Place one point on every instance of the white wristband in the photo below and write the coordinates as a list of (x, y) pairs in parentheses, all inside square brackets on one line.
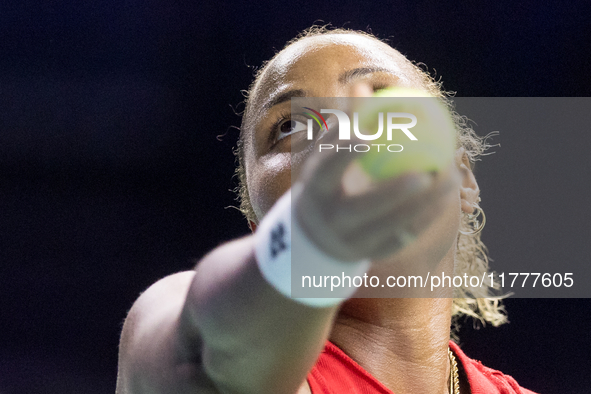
[(275, 239)]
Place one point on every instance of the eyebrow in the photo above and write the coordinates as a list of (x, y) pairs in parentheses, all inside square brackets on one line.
[(359, 72), (344, 78), (283, 97)]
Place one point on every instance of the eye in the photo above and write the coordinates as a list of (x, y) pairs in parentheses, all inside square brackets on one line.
[(380, 86), (288, 127)]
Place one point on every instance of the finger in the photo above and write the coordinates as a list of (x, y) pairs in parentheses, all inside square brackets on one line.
[(330, 165), (413, 216), (382, 196), (397, 230), (399, 198), (415, 229)]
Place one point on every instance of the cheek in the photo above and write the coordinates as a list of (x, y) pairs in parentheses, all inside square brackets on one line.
[(268, 180), (450, 221), (445, 228)]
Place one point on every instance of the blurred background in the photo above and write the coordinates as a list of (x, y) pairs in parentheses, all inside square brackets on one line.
[(117, 124)]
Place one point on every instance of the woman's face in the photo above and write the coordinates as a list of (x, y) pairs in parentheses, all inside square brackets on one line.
[(319, 66)]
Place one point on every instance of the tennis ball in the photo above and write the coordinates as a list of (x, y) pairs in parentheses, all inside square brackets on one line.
[(435, 144)]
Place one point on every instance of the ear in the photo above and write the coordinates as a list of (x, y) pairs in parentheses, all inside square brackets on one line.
[(252, 225), (469, 190)]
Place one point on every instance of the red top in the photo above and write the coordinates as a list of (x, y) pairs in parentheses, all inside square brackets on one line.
[(337, 373)]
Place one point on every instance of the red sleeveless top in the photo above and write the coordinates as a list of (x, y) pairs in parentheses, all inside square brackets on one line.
[(337, 373)]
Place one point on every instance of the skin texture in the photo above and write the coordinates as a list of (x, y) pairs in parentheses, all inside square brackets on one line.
[(225, 329), (414, 331), (310, 65)]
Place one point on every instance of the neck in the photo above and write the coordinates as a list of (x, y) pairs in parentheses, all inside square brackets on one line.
[(402, 342)]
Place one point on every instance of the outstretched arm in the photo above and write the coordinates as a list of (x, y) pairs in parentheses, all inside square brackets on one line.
[(220, 329), (225, 329)]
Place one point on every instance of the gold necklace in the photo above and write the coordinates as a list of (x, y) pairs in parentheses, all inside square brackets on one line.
[(454, 379)]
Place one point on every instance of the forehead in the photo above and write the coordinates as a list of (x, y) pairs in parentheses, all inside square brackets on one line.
[(327, 56), (313, 62), (317, 66)]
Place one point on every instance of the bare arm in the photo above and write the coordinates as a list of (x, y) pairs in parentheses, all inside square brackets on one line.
[(220, 329), (224, 329), (256, 339)]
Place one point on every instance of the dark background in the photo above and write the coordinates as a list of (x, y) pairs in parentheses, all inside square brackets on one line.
[(111, 175)]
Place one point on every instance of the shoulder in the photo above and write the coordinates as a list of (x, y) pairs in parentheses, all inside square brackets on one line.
[(149, 350), (160, 304), (486, 380)]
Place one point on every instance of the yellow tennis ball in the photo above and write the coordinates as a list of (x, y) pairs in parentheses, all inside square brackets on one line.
[(435, 144)]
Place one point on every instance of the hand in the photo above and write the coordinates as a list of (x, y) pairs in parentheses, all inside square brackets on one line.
[(351, 217)]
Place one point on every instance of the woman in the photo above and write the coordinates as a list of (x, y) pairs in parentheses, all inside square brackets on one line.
[(226, 327)]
